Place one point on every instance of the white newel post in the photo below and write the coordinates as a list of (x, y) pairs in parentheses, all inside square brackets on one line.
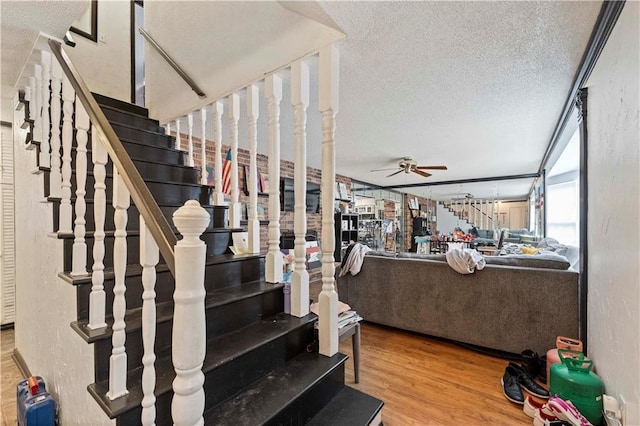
[(55, 177), (79, 261), (328, 299), (189, 322), (190, 140), (68, 96), (149, 257), (118, 360), (218, 195), (203, 147), (178, 141), (45, 151), (300, 275), (273, 261), (252, 116), (97, 298), (37, 102), (234, 205)]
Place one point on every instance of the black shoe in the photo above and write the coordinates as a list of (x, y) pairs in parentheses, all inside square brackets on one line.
[(511, 386), (542, 375), (530, 362), (528, 383)]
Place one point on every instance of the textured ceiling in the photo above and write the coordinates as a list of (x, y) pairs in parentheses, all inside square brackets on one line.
[(21, 23)]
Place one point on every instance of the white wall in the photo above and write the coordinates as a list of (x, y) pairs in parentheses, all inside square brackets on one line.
[(447, 221), (46, 305), (613, 223), (106, 65), (7, 230)]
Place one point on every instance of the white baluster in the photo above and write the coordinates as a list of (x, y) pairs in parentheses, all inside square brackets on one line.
[(45, 151), (167, 128), (300, 275), (190, 141), (273, 261), (37, 102), (55, 176), (252, 115), (68, 96), (97, 298), (218, 195), (203, 148), (189, 332), (234, 206), (178, 141), (149, 257), (79, 261), (328, 298), (118, 360)]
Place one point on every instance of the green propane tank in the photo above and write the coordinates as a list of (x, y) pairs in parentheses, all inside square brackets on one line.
[(573, 380)]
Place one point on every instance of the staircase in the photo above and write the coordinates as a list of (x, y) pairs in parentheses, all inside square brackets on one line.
[(257, 367), (470, 214)]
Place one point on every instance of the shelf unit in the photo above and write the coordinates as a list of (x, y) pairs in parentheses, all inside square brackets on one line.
[(346, 230)]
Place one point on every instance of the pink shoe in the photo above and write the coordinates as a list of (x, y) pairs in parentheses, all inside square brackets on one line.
[(565, 410), (543, 419), (531, 407)]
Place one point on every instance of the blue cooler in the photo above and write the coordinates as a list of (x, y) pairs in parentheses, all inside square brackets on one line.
[(35, 405)]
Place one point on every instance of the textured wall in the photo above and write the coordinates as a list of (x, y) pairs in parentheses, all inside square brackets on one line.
[(46, 305), (614, 195)]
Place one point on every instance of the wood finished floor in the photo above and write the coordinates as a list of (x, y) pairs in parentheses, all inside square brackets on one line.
[(422, 381)]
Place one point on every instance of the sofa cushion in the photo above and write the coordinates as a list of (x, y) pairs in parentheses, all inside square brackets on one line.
[(381, 253), (546, 260), (440, 257)]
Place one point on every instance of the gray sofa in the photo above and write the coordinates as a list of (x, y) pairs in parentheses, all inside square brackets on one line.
[(508, 308)]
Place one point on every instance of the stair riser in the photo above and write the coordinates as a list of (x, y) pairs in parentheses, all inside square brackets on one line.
[(220, 320), (225, 275), (217, 243), (225, 381), (147, 153), (125, 106), (143, 137), (133, 120)]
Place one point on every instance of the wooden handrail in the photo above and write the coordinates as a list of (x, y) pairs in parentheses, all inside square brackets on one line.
[(147, 206)]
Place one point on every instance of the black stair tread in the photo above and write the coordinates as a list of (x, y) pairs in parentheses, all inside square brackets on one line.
[(265, 398), (164, 310), (349, 407), (219, 351), (134, 270), (132, 114), (139, 129), (121, 105), (161, 204), (89, 234), (110, 175)]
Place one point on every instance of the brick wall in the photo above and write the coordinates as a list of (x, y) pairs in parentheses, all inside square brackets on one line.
[(426, 205)]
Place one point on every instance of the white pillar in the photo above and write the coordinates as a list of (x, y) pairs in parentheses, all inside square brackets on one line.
[(234, 205), (218, 195), (328, 299), (300, 275), (97, 298), (79, 260), (273, 261), (190, 140), (203, 148), (149, 257), (45, 151), (55, 176), (68, 96), (252, 116), (189, 321), (178, 142), (118, 360)]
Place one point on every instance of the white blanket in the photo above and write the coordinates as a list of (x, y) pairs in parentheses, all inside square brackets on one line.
[(353, 264), (465, 261)]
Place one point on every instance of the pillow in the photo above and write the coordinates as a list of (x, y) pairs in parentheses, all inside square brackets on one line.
[(439, 257), (381, 253), (545, 260)]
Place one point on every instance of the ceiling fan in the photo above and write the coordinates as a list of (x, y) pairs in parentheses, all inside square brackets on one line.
[(408, 165)]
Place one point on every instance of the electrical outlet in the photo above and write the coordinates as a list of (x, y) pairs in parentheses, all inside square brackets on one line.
[(623, 410)]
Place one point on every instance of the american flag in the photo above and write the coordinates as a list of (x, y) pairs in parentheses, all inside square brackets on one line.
[(226, 174)]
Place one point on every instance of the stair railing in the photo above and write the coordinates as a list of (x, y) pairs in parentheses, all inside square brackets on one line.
[(62, 80)]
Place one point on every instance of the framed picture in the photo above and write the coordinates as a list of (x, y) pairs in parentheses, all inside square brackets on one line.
[(264, 182), (87, 24), (210, 176)]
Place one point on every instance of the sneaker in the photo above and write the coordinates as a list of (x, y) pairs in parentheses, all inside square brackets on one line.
[(527, 382), (531, 407), (543, 419), (565, 410), (511, 386)]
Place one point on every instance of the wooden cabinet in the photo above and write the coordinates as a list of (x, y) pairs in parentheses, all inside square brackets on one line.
[(346, 231)]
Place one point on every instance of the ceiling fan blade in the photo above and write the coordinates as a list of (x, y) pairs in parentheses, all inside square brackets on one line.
[(393, 174), (386, 169), (431, 167), (421, 173)]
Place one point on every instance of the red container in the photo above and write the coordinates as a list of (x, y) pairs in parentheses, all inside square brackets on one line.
[(561, 343)]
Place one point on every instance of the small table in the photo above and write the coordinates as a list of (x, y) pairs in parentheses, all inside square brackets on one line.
[(353, 331), (487, 250)]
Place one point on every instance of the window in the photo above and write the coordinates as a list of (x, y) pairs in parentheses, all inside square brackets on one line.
[(562, 212)]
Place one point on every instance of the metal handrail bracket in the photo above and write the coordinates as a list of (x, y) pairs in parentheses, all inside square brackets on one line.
[(147, 206), (173, 63)]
